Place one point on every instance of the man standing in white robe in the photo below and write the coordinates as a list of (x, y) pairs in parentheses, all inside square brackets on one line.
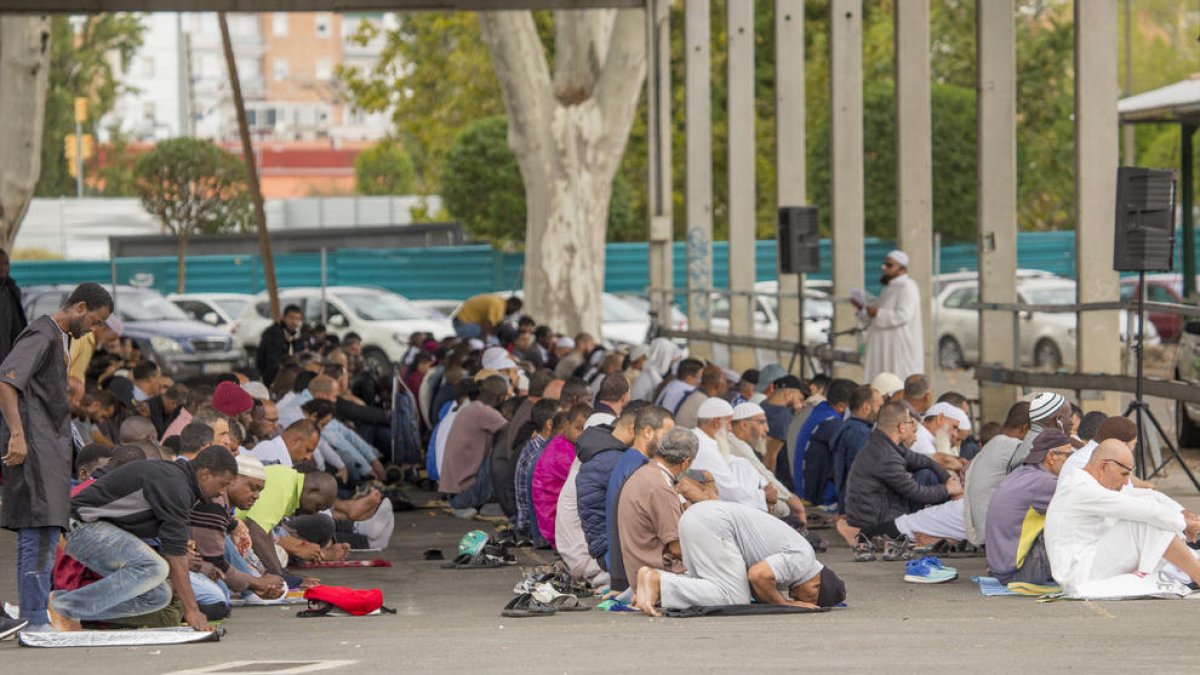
[(1107, 539), (895, 342)]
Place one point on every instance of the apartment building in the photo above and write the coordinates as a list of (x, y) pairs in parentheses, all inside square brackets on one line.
[(178, 83)]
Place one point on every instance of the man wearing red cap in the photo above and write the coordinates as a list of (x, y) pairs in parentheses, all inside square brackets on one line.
[(230, 399)]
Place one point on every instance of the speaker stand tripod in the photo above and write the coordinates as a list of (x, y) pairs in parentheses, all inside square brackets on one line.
[(1141, 409)]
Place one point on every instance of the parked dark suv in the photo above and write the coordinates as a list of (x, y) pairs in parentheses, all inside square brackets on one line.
[(183, 348)]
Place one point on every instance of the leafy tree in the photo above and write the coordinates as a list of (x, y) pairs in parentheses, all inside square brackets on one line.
[(435, 76), (484, 191), (384, 169), (115, 166), (193, 187), (84, 69), (954, 162)]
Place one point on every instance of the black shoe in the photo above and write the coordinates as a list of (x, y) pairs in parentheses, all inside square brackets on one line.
[(10, 626)]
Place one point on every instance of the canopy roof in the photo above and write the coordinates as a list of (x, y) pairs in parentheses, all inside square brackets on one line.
[(1179, 102)]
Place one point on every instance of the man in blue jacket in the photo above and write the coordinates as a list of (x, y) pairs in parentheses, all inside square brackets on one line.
[(651, 424), (813, 466), (865, 403), (599, 448)]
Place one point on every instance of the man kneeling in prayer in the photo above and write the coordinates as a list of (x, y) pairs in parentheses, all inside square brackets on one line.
[(110, 519), (1106, 538), (734, 552)]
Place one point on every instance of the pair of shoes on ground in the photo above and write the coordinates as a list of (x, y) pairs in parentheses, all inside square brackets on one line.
[(929, 570), (865, 549), (543, 600)]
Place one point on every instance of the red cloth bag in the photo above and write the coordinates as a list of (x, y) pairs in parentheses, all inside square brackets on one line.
[(351, 600)]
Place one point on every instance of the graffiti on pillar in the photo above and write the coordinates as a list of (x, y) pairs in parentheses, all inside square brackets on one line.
[(699, 269)]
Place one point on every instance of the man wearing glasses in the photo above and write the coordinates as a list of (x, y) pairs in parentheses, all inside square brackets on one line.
[(895, 343), (1107, 539), (1016, 547)]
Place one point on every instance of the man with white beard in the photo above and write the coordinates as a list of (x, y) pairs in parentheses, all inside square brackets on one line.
[(736, 479), (749, 441), (936, 435)]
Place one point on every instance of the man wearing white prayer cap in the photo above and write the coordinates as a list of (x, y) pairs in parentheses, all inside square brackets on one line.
[(736, 480), (895, 341)]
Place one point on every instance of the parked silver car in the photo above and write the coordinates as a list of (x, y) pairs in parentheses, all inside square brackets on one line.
[(1047, 339)]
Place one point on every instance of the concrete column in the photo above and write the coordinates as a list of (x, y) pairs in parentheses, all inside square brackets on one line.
[(914, 154), (698, 62), (846, 100), (741, 177), (1097, 140), (997, 192), (658, 96), (790, 188)]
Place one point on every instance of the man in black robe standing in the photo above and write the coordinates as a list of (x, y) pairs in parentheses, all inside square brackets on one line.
[(36, 437)]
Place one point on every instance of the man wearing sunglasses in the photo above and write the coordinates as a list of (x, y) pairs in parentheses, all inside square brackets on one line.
[(895, 342), (1107, 539)]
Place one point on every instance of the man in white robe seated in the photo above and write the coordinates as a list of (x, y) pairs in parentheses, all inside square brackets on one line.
[(735, 478), (1107, 539)]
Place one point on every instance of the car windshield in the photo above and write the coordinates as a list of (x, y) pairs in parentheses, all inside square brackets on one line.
[(232, 306), (1050, 295), (615, 310), (142, 305), (381, 306)]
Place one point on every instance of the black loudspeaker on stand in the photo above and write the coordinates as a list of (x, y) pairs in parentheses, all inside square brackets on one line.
[(799, 253), (1144, 241)]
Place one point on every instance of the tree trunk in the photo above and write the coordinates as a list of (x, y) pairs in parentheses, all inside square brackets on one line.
[(24, 71), (569, 134), (181, 272)]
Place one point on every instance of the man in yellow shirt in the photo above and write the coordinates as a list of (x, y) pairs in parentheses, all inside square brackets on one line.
[(83, 349), (480, 315)]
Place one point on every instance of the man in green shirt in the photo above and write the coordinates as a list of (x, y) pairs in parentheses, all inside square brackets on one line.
[(290, 492)]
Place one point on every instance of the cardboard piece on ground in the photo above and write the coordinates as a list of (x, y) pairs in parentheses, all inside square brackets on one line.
[(378, 562), (119, 638)]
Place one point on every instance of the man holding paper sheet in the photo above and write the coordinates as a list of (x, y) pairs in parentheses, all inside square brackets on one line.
[(895, 343)]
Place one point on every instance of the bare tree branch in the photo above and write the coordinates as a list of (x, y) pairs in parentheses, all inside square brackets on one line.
[(24, 72), (624, 74), (524, 76), (580, 45)]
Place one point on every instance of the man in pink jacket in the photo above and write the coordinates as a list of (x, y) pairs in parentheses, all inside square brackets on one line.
[(554, 465)]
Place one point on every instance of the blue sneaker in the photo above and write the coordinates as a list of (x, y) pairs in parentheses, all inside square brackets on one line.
[(929, 571)]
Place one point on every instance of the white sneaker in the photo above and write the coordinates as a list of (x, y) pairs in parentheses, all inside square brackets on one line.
[(465, 514)]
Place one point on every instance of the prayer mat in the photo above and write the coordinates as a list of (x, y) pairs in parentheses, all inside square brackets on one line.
[(120, 638), (295, 597), (332, 564), (991, 587), (756, 609)]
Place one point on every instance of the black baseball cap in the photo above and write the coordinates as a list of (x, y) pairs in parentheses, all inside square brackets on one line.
[(832, 591)]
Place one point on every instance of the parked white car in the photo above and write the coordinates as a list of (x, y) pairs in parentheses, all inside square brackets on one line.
[(1047, 338), (818, 317), (219, 310), (384, 319)]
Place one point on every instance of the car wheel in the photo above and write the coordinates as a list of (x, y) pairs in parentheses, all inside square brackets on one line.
[(950, 354), (1047, 355), (1187, 432), (376, 360)]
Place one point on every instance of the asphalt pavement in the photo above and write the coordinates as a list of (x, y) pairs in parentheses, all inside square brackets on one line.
[(448, 621)]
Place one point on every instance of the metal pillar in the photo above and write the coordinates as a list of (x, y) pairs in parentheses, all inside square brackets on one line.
[(1187, 190), (659, 192), (698, 125), (997, 193), (846, 100), (742, 214), (1096, 159), (914, 154), (790, 188)]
